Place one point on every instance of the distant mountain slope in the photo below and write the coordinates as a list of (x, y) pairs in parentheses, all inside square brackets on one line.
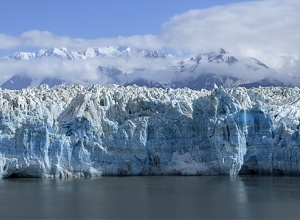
[(129, 66), (17, 82)]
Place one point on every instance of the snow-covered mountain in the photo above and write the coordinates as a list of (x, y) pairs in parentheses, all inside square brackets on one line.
[(64, 53), (205, 70), (127, 66), (94, 131)]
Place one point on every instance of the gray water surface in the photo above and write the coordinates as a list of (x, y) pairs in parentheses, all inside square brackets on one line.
[(163, 197)]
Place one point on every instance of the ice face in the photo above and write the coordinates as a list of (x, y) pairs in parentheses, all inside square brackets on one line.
[(94, 131)]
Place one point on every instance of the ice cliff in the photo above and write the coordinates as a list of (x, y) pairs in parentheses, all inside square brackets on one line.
[(94, 131)]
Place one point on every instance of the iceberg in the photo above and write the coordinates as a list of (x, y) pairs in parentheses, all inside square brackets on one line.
[(76, 131)]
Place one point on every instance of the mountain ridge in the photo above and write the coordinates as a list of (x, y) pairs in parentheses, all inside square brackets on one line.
[(64, 53), (199, 71)]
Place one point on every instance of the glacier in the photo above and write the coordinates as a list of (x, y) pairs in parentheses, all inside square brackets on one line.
[(77, 131)]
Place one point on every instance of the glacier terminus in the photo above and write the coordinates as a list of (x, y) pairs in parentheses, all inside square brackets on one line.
[(76, 131)]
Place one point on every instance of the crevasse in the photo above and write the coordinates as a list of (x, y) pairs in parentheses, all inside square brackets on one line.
[(93, 131)]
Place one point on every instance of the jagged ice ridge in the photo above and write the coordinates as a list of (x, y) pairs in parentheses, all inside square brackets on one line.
[(94, 131)]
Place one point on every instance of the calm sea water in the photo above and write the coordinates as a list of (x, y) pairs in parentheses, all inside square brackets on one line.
[(151, 197)]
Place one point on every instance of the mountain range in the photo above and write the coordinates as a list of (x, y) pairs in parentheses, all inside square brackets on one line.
[(153, 68)]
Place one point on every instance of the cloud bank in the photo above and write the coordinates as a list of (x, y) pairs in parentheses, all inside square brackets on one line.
[(84, 71), (268, 30), (46, 39)]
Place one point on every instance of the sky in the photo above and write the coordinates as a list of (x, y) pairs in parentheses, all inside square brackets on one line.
[(93, 19), (268, 30)]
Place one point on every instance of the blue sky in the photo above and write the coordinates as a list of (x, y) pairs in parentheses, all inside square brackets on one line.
[(95, 18)]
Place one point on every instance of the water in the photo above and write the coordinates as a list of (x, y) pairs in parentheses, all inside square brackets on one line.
[(151, 197)]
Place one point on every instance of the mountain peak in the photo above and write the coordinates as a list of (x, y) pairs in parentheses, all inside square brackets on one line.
[(220, 56), (19, 56), (123, 48), (222, 51)]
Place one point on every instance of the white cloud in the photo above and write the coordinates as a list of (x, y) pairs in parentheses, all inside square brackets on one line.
[(267, 30), (80, 70), (7, 41), (46, 39)]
